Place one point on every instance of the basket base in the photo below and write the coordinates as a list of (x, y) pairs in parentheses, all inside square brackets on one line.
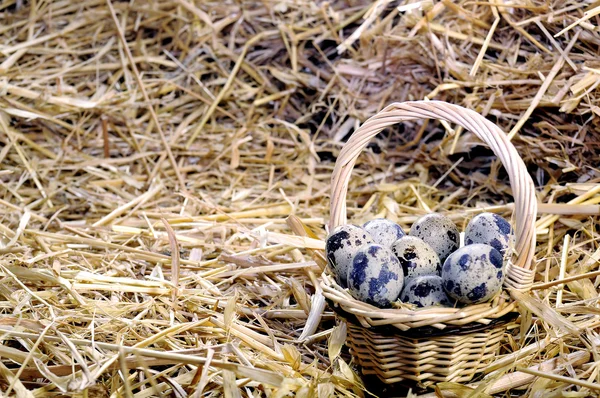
[(376, 387), (421, 361)]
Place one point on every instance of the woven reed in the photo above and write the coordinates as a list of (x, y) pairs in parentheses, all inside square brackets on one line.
[(377, 337), (452, 358), (519, 275)]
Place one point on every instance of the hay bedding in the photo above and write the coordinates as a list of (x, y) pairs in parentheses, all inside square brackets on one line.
[(152, 153)]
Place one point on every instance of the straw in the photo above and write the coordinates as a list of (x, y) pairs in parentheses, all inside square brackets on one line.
[(130, 131)]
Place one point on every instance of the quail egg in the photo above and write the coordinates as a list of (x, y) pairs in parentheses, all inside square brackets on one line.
[(439, 232), (384, 231), (473, 274), (425, 291), (340, 247), (416, 257), (489, 229), (375, 275)]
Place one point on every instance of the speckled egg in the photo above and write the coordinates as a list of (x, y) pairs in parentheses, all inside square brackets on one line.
[(489, 229), (425, 291), (439, 232), (375, 275), (384, 231), (473, 274), (340, 247), (416, 257)]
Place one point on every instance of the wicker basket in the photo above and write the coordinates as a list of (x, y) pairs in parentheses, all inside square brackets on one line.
[(433, 344)]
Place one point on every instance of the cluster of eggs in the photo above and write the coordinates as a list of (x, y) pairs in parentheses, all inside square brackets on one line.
[(380, 264)]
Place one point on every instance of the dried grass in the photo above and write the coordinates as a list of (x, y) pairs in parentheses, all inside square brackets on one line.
[(134, 130)]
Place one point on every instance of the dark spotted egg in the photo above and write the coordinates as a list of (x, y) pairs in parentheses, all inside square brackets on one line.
[(375, 276), (489, 229), (384, 231), (340, 247), (439, 232), (473, 274), (425, 291), (416, 257)]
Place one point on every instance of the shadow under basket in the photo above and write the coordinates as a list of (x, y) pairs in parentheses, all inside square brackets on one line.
[(436, 344), (424, 355)]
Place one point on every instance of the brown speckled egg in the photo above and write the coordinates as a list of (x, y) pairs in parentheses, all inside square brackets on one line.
[(473, 274), (383, 231), (340, 247), (490, 229), (416, 257), (439, 232), (375, 276), (425, 291)]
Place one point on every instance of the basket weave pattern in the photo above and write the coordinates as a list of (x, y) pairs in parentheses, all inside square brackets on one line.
[(447, 358), (443, 358)]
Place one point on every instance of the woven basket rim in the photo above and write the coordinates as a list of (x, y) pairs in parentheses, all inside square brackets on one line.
[(428, 331), (519, 273)]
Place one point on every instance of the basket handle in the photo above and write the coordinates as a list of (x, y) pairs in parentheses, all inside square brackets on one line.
[(521, 183)]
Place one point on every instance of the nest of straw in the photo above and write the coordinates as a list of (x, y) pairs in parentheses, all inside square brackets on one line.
[(165, 184)]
